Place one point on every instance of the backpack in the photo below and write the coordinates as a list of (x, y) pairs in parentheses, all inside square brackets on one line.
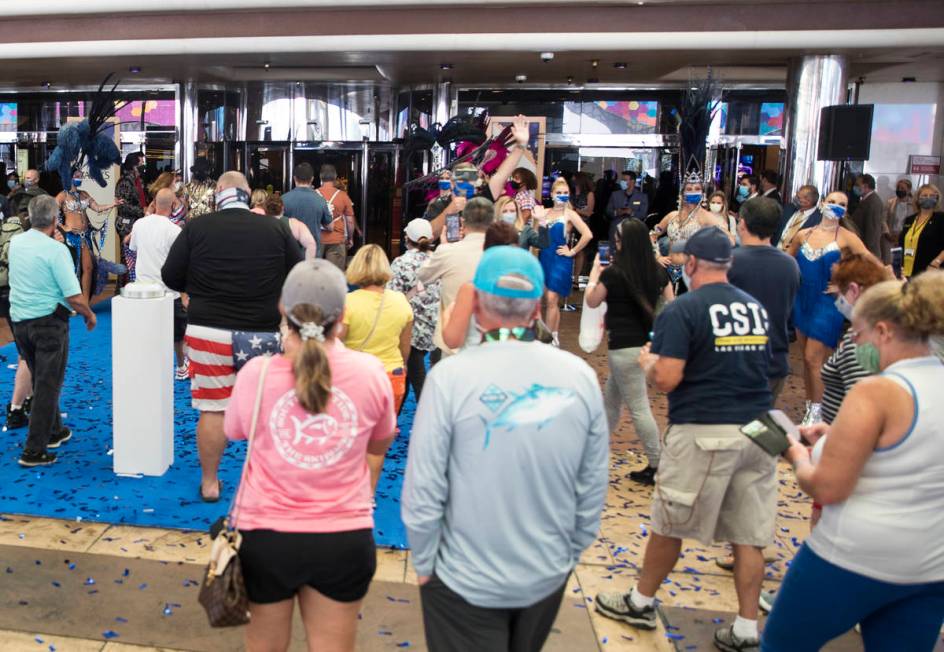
[(10, 227)]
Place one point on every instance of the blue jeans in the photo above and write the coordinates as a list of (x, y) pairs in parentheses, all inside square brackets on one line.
[(819, 601)]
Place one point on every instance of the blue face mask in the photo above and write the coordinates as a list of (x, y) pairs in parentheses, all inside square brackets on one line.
[(833, 211), (445, 185), (692, 197), (76, 183), (623, 184), (561, 199), (465, 189), (743, 192)]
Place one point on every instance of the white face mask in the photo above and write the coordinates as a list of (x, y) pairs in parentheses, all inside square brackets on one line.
[(686, 278), (509, 217), (844, 307), (716, 207)]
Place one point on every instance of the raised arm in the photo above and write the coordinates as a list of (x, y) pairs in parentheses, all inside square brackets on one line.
[(519, 129)]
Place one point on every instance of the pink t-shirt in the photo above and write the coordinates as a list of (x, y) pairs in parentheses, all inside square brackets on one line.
[(308, 472)]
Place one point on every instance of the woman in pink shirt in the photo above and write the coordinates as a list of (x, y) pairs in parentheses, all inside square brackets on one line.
[(304, 507)]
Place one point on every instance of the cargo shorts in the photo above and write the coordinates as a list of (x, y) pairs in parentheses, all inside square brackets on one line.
[(714, 484)]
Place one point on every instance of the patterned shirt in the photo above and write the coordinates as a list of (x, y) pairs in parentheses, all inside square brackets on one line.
[(425, 304), (201, 197), (525, 200)]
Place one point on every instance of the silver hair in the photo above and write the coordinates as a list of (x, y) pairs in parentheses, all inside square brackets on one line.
[(478, 214), (717, 267), (43, 211), (506, 308)]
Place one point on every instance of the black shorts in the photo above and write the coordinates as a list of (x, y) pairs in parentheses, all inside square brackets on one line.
[(180, 320), (339, 565)]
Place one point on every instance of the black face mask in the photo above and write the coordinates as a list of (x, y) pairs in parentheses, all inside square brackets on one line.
[(515, 185), (141, 169), (901, 194)]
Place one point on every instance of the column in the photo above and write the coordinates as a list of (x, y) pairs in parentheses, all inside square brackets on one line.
[(813, 82), (445, 103), (189, 125)]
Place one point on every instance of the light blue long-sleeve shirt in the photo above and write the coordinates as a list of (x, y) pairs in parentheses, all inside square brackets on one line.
[(507, 471)]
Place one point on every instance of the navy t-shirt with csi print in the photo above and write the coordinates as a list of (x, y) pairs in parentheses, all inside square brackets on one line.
[(722, 334)]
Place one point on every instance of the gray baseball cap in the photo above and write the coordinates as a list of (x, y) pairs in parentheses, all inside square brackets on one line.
[(316, 282)]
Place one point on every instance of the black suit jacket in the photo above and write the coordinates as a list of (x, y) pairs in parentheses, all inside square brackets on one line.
[(930, 244), (775, 195)]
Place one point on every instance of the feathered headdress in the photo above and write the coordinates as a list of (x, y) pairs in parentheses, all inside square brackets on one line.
[(698, 107), (85, 142)]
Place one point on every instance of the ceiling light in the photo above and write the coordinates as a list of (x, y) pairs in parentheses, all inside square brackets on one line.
[(45, 84), (547, 56), (595, 63), (134, 69), (640, 3), (445, 66), (570, 79), (266, 66), (521, 78), (619, 65)]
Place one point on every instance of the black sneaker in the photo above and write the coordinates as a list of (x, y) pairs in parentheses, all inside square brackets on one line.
[(646, 476), (64, 435), (16, 418), (30, 458), (618, 606), (726, 640)]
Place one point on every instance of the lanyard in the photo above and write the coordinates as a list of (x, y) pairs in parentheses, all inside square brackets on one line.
[(520, 333)]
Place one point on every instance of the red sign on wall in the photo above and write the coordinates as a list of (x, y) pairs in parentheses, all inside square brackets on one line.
[(924, 164)]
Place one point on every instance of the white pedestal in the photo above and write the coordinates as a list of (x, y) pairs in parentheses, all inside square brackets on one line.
[(143, 384)]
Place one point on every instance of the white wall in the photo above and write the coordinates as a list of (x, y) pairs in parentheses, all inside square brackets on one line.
[(909, 119)]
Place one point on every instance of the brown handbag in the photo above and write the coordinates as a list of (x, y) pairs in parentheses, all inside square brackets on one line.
[(223, 592)]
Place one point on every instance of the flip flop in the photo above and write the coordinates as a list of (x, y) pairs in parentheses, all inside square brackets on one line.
[(210, 500)]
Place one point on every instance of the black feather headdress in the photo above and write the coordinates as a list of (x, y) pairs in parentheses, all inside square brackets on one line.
[(699, 104), (86, 143)]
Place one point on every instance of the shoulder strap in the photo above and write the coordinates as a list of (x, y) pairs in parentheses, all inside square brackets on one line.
[(234, 505), (373, 328)]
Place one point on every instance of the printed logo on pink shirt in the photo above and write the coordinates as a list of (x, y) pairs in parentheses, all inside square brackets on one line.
[(313, 441)]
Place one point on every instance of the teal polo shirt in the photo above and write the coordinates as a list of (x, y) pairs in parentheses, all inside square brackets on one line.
[(42, 275)]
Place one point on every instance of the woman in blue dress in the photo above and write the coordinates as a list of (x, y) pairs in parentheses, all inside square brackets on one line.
[(557, 260), (818, 322)]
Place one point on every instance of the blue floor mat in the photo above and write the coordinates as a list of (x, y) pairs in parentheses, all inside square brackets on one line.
[(81, 486)]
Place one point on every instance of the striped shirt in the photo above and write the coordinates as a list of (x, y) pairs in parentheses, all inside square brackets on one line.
[(840, 372)]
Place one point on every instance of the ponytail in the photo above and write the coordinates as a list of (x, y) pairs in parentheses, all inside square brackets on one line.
[(423, 244), (312, 371)]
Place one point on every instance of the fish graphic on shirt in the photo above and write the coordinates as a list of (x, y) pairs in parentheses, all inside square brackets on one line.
[(322, 422), (536, 407)]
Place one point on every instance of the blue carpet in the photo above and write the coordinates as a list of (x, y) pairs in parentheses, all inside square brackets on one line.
[(81, 485)]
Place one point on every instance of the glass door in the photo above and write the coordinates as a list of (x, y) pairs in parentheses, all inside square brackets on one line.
[(266, 165)]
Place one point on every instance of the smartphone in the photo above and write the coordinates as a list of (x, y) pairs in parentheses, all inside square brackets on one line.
[(770, 430), (897, 258), (452, 227), (603, 248)]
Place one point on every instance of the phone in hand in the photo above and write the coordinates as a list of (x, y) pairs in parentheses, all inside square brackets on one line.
[(453, 223), (897, 260), (603, 249), (770, 430)]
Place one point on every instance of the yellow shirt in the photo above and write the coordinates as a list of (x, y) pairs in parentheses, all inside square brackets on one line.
[(360, 313)]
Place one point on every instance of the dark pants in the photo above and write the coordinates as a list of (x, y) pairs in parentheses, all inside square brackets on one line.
[(44, 344), (416, 368), (453, 625)]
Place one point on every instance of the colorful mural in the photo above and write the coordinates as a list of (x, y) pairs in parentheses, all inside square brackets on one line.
[(156, 112), (640, 117), (771, 119)]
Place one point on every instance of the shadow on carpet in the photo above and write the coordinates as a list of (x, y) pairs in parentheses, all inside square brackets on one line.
[(81, 486)]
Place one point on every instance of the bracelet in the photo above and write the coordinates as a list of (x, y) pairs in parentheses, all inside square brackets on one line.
[(591, 284)]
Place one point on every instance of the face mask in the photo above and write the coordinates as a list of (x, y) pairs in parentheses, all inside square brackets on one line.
[(141, 169), (178, 186), (743, 192), (11, 184), (561, 199), (515, 185), (901, 194), (927, 203), (692, 197), (76, 183), (624, 184), (29, 183), (445, 185), (230, 196), (857, 191), (716, 207), (867, 356), (509, 218), (465, 189), (833, 211), (844, 307), (686, 278)]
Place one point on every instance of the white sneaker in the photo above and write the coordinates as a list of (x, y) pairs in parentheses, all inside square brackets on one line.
[(183, 372)]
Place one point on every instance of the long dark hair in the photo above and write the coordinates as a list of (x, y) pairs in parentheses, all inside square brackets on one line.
[(636, 262)]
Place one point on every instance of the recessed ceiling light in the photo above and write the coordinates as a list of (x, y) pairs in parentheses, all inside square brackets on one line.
[(640, 3), (45, 84), (445, 66), (266, 65), (134, 69), (521, 78), (619, 65), (595, 63)]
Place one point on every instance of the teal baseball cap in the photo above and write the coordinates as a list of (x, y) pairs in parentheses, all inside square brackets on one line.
[(509, 272)]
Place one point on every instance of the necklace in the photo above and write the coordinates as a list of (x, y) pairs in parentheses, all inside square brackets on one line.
[(520, 333)]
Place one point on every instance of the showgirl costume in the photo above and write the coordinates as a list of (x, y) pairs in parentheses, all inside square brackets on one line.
[(814, 312), (558, 270)]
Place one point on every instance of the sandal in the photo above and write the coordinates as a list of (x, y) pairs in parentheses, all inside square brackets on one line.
[(210, 500)]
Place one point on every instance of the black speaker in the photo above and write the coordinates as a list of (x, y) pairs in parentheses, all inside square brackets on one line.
[(845, 132)]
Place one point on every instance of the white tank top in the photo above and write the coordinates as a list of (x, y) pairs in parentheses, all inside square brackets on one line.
[(892, 526)]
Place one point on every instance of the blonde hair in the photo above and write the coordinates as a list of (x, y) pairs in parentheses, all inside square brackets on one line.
[(312, 371), (163, 180), (258, 198), (503, 201), (916, 308), (561, 181), (932, 188), (369, 267)]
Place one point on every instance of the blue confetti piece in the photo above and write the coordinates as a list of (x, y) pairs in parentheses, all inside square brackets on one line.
[(89, 581), (404, 644), (39, 640), (52, 648), (109, 634), (717, 621), (605, 640), (56, 584), (141, 587), (119, 619), (674, 637)]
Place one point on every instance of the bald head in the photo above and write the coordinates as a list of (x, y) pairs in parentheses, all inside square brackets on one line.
[(32, 176), (164, 202), (233, 179)]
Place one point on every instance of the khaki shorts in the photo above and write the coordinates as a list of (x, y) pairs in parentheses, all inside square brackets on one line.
[(714, 484)]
